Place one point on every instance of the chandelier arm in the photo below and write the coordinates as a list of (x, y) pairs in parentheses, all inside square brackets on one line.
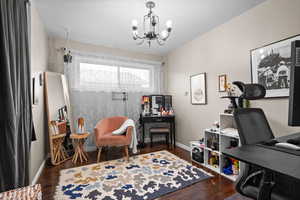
[(157, 22), (151, 27), (141, 42), (137, 36), (160, 42), (144, 22), (164, 39)]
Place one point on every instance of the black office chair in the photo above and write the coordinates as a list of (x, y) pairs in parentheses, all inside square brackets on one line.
[(254, 128), (255, 182), (252, 125)]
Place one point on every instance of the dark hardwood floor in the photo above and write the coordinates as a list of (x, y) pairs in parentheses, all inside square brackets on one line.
[(216, 188)]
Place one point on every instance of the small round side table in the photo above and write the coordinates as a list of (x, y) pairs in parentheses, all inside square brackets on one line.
[(78, 141)]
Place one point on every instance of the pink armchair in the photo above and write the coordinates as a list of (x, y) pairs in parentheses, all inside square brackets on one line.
[(104, 136)]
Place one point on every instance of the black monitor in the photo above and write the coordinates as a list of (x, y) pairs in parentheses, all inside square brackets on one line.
[(294, 100)]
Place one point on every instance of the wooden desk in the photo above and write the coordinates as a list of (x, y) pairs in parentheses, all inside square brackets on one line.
[(269, 160), (158, 119), (278, 161), (78, 140)]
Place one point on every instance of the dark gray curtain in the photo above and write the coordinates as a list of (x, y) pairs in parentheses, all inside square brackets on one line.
[(15, 95)]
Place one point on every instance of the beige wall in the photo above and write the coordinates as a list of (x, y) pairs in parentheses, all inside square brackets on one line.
[(39, 62), (56, 54), (225, 50)]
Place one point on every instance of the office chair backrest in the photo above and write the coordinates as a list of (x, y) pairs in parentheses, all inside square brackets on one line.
[(252, 125), (251, 91)]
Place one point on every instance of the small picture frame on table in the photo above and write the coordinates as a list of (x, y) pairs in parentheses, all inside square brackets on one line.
[(222, 83)]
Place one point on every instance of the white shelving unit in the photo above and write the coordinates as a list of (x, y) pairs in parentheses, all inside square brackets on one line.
[(222, 141)]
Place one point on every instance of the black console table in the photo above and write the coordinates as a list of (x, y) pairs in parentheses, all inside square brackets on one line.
[(158, 119)]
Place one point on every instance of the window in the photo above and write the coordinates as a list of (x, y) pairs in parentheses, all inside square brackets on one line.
[(114, 78), (133, 77), (92, 75)]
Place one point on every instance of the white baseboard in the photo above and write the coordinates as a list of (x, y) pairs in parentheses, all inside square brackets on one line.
[(183, 146), (38, 173)]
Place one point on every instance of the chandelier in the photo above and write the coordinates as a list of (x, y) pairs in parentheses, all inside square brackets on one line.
[(151, 30)]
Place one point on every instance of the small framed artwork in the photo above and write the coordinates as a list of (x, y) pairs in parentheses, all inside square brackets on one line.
[(35, 88), (198, 89), (41, 80), (270, 67), (222, 83)]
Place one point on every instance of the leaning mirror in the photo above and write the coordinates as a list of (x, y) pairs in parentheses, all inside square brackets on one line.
[(58, 114)]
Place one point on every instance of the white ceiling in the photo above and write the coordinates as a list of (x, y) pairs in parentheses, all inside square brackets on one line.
[(108, 22)]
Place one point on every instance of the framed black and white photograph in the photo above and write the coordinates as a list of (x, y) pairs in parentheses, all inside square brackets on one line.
[(222, 83), (270, 67), (198, 89)]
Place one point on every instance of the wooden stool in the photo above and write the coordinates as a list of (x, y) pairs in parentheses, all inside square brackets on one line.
[(159, 131), (78, 140), (58, 150)]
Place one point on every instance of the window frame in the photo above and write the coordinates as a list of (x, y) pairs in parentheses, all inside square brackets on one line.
[(119, 64)]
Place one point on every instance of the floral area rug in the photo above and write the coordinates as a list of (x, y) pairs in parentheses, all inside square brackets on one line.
[(146, 176)]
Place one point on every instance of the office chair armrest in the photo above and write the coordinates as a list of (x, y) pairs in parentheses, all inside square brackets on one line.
[(251, 176), (266, 185)]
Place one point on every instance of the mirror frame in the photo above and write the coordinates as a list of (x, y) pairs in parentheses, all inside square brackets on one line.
[(52, 138)]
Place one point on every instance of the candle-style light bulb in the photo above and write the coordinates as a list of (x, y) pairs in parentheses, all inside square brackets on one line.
[(134, 23), (164, 34), (169, 24)]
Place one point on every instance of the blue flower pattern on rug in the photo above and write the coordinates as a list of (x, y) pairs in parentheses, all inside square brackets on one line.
[(72, 190), (127, 187), (169, 173), (109, 167), (144, 177), (132, 167), (109, 177)]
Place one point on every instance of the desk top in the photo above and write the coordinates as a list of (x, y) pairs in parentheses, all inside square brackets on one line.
[(278, 161)]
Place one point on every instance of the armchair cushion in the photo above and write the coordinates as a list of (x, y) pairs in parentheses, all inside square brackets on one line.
[(104, 135)]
